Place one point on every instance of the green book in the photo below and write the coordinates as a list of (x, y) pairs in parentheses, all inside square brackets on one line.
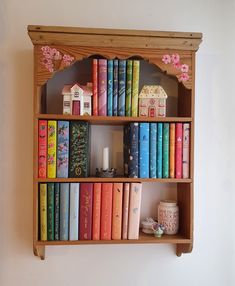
[(128, 87), (50, 211), (135, 88), (165, 163), (57, 211)]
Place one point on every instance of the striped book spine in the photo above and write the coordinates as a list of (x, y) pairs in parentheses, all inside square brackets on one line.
[(74, 211), (96, 211), (115, 87), (165, 151), (178, 150), (102, 87), (133, 164), (51, 149), (128, 86), (42, 148), (106, 211), (126, 147), (57, 211), (186, 136), (110, 87), (125, 212), (159, 150), (95, 86), (153, 150), (117, 211), (43, 211), (172, 150), (121, 87), (64, 211), (144, 150), (50, 211), (63, 149), (135, 88)]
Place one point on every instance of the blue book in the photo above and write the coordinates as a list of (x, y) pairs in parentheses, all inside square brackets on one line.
[(159, 150), (121, 87), (115, 88), (126, 147), (144, 150), (153, 150), (74, 211), (165, 151), (64, 211), (133, 164), (57, 211), (110, 87), (63, 149)]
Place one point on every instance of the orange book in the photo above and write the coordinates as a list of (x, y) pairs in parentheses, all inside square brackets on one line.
[(172, 150), (106, 211), (125, 210), (96, 211), (117, 211)]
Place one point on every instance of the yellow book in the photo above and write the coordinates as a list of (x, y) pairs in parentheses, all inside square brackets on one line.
[(51, 149), (135, 88), (43, 211)]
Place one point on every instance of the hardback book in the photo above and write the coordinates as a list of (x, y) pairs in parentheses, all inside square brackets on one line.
[(172, 150), (57, 211), (110, 87), (74, 211), (133, 162), (43, 211), (64, 211), (51, 149), (76, 107), (121, 87), (115, 87), (96, 211), (63, 149), (186, 141), (144, 150), (165, 151), (85, 216), (106, 211), (135, 88), (79, 149), (134, 210), (159, 149), (102, 87), (126, 147), (178, 150), (125, 210), (128, 86), (117, 211), (42, 148), (95, 86), (50, 211), (153, 150)]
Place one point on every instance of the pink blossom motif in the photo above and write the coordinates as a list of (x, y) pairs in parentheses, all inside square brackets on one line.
[(67, 59), (184, 77), (166, 59), (184, 68), (177, 66), (175, 58)]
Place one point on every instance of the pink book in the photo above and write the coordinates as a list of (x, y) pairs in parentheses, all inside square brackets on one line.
[(102, 87), (42, 148), (186, 136), (134, 210), (117, 211), (125, 210), (106, 211), (96, 211), (76, 107), (178, 150), (95, 87)]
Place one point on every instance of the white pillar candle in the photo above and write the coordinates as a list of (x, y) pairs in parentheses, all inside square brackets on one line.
[(105, 158)]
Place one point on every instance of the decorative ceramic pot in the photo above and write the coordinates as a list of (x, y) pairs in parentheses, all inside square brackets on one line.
[(168, 215)]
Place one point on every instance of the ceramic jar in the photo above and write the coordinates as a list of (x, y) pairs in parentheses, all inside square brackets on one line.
[(168, 215)]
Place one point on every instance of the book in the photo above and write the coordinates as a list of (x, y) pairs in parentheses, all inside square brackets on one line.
[(102, 87), (133, 162), (134, 210), (43, 211), (96, 211), (121, 87), (153, 150), (126, 148), (144, 150), (85, 215), (74, 211), (117, 211), (135, 88), (125, 211), (186, 142), (106, 211), (110, 87), (115, 87), (51, 149), (165, 151), (79, 149), (95, 86), (178, 150), (64, 211), (57, 211), (50, 211), (172, 150), (42, 148), (159, 149), (63, 149), (128, 86)]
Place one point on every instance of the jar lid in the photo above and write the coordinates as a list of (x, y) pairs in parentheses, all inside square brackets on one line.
[(169, 203)]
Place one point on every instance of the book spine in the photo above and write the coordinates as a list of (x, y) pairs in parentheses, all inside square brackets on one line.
[(165, 151), (76, 107), (63, 149), (172, 150), (42, 148), (125, 211), (85, 223), (117, 211), (135, 88), (102, 87), (96, 211), (153, 150), (121, 87), (95, 86), (51, 149), (159, 150), (57, 211), (186, 140), (110, 87), (43, 211), (133, 164), (128, 86), (144, 150), (134, 210), (115, 87), (178, 150), (50, 211), (106, 211), (67, 108), (126, 142), (74, 211), (64, 211)]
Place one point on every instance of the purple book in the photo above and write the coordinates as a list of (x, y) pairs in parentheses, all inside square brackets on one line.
[(63, 149), (102, 87)]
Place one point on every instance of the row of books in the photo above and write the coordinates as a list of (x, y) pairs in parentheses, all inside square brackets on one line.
[(115, 87), (156, 150), (89, 211)]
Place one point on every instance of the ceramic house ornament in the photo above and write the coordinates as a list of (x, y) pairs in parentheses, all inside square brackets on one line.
[(152, 101)]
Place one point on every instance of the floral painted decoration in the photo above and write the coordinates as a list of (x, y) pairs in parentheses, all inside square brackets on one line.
[(174, 59)]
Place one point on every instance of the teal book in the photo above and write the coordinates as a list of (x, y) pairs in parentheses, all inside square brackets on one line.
[(165, 151), (128, 86), (110, 87), (57, 211), (159, 150), (153, 150), (144, 150), (121, 87), (64, 211), (50, 211)]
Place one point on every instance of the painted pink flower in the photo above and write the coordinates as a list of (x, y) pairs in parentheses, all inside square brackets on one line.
[(175, 58), (177, 65), (184, 68), (166, 59), (67, 59), (184, 77)]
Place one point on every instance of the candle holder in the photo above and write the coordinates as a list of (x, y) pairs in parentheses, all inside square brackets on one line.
[(109, 173)]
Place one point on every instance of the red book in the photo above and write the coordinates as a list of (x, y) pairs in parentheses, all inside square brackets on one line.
[(125, 210), (85, 217), (96, 211), (95, 87), (117, 211), (178, 150), (106, 211), (76, 107), (42, 148), (102, 87)]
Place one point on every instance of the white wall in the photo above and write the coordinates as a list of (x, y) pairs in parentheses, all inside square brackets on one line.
[(212, 260)]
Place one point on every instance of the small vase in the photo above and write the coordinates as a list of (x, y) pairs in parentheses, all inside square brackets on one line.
[(168, 215), (158, 233)]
